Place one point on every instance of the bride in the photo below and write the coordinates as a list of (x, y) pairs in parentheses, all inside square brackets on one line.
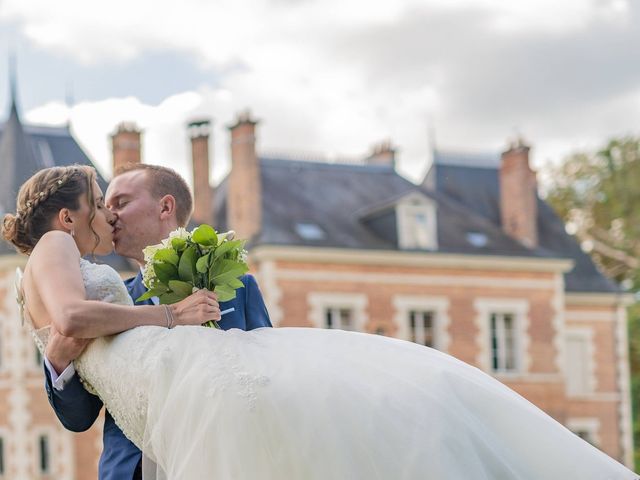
[(271, 404)]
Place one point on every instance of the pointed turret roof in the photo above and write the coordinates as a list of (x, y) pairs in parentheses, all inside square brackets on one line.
[(25, 149), (17, 158)]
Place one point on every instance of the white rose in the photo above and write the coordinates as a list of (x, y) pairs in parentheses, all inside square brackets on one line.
[(150, 251), (180, 232)]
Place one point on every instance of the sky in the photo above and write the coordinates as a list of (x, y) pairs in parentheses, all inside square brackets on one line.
[(331, 78)]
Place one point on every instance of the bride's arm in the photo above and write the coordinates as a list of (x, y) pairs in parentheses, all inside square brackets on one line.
[(55, 273)]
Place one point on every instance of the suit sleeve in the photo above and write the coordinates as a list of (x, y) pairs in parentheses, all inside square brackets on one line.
[(255, 310), (76, 408)]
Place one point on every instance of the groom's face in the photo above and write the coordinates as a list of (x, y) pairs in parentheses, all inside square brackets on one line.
[(137, 214)]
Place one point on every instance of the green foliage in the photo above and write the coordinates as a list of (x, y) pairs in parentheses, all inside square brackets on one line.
[(598, 195), (188, 261)]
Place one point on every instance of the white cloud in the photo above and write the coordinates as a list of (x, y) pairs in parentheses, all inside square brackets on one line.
[(284, 60)]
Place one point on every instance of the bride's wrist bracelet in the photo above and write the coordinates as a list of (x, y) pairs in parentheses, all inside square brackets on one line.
[(169, 314)]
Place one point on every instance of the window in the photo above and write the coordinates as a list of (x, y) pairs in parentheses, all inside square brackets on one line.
[(580, 377), (503, 342), (340, 318), (421, 327), (345, 311), (423, 320), (38, 357), (1, 456), (503, 338), (416, 218), (477, 240), (586, 428), (309, 231), (43, 454)]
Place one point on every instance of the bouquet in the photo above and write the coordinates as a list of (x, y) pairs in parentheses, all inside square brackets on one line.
[(188, 261)]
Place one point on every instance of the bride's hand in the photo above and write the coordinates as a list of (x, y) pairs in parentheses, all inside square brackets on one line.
[(196, 309)]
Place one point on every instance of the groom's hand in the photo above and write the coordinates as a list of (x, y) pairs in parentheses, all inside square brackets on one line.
[(61, 350)]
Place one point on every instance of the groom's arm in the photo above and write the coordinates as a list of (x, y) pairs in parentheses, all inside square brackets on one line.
[(256, 313), (76, 408)]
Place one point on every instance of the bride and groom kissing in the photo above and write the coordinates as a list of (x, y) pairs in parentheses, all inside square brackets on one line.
[(140, 218), (247, 402)]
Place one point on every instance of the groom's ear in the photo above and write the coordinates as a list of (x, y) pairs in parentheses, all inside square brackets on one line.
[(167, 207)]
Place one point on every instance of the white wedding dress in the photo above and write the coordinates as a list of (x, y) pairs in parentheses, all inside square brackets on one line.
[(307, 404)]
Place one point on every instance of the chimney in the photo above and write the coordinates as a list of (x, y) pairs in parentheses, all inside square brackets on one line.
[(244, 199), (125, 144), (519, 195), (382, 153), (202, 192)]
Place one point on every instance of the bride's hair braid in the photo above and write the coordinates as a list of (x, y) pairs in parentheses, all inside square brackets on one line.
[(41, 198)]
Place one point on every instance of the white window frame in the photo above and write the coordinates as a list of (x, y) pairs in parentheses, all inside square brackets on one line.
[(320, 302), (585, 334), (519, 308), (405, 212), (591, 425), (404, 304)]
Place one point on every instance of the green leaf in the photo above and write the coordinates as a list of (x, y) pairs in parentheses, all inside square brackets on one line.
[(165, 271), (170, 297), (220, 266), (225, 277), (178, 244), (181, 288), (202, 265), (205, 235), (187, 264), (225, 293), (154, 292), (168, 255), (235, 283), (226, 247)]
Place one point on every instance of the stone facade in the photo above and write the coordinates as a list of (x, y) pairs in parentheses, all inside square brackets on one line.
[(35, 445), (382, 289)]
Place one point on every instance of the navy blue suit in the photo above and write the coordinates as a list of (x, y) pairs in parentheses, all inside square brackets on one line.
[(77, 409)]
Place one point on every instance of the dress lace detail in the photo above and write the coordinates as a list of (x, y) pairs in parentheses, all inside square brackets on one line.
[(111, 366)]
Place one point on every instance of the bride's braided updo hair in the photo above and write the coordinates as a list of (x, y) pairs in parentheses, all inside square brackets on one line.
[(41, 198)]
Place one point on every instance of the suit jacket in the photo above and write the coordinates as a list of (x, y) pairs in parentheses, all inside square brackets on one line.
[(78, 409)]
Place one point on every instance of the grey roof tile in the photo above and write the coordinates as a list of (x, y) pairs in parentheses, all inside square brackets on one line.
[(475, 186)]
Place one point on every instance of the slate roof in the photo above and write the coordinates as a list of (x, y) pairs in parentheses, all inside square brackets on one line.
[(338, 198), (353, 205), (472, 181), (25, 149)]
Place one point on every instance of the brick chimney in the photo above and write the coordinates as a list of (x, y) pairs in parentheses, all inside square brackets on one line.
[(203, 210), (244, 198), (125, 145), (519, 195), (382, 153)]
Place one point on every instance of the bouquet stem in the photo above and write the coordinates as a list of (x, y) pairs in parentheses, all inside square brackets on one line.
[(212, 324)]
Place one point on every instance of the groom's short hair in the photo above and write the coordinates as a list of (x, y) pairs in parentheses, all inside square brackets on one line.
[(165, 181)]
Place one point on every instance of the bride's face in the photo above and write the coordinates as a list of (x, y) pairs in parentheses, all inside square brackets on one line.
[(94, 236)]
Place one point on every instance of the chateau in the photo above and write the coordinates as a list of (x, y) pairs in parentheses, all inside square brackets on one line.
[(471, 262)]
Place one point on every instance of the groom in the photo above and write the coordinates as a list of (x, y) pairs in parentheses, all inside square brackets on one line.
[(148, 202)]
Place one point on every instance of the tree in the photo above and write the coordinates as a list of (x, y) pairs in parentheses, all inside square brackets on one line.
[(598, 196)]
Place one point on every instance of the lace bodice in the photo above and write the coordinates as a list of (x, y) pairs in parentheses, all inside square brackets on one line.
[(114, 366), (117, 366)]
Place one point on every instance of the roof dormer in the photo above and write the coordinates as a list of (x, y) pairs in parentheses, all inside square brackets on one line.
[(416, 222)]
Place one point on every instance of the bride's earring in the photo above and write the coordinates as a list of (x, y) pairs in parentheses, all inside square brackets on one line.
[(73, 233)]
